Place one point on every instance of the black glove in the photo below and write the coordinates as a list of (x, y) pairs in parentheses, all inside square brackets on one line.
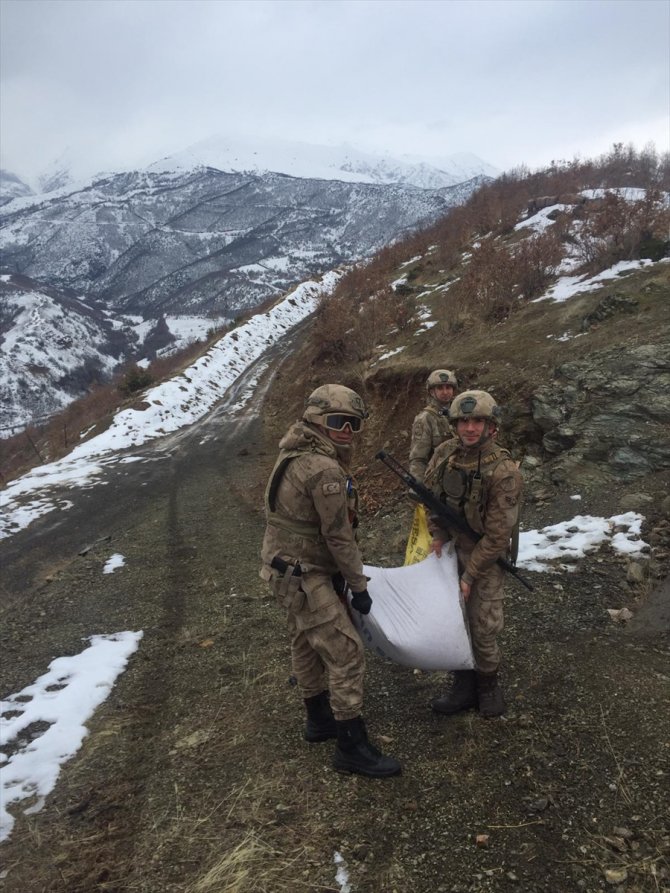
[(361, 601)]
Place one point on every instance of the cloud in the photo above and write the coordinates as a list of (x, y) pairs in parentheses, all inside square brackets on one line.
[(515, 81)]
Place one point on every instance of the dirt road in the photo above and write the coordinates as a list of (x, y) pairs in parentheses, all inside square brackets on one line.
[(195, 777)]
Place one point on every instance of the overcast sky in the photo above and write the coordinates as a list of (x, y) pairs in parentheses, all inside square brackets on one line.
[(122, 83)]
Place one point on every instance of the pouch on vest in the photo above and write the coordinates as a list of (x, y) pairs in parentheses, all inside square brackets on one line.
[(287, 589)]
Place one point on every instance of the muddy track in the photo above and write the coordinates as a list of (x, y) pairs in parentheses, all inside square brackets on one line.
[(175, 517)]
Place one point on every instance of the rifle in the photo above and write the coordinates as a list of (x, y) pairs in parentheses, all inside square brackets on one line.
[(443, 511)]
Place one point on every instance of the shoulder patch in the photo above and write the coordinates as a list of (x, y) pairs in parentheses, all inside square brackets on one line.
[(331, 488), (508, 484)]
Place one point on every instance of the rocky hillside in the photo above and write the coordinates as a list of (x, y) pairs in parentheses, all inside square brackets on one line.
[(575, 346)]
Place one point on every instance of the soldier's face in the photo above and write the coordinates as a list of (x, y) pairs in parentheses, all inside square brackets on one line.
[(342, 437), (472, 431), (443, 393)]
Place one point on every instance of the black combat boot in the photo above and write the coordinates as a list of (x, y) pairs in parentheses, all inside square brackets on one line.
[(354, 753), (490, 694), (321, 723), (461, 696)]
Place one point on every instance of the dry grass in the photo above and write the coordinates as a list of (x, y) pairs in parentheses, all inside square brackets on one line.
[(252, 866)]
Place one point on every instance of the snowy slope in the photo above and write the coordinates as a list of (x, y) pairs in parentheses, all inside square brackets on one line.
[(344, 162), (12, 187), (51, 347)]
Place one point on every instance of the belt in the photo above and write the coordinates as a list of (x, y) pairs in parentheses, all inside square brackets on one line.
[(282, 566)]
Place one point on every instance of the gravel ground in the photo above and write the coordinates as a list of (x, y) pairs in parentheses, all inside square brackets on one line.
[(195, 777)]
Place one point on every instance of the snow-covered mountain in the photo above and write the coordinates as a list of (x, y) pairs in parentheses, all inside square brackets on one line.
[(346, 163), (202, 240), (12, 187), (207, 233), (53, 347)]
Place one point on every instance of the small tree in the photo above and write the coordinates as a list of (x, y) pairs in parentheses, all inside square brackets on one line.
[(134, 379)]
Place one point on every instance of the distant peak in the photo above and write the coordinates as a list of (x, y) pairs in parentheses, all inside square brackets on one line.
[(341, 162)]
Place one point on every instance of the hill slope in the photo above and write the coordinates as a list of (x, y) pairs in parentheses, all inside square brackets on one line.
[(195, 777)]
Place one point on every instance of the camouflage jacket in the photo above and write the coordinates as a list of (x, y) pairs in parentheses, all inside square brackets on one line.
[(484, 485), (430, 428), (310, 506)]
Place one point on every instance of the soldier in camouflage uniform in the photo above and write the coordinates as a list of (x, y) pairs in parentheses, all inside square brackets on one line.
[(310, 555), (478, 478), (431, 426)]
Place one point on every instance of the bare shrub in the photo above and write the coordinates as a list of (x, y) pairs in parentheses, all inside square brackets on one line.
[(401, 309), (487, 285), (332, 320), (615, 228), (460, 320), (535, 262), (374, 322)]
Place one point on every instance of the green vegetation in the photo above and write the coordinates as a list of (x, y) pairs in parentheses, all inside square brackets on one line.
[(135, 379)]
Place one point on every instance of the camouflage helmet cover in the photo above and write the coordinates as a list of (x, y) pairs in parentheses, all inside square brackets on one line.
[(441, 376), (333, 398), (475, 404)]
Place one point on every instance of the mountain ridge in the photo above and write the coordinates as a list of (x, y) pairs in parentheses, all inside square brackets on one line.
[(343, 162), (234, 153), (189, 240)]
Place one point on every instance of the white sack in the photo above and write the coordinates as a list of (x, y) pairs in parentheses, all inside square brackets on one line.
[(417, 617)]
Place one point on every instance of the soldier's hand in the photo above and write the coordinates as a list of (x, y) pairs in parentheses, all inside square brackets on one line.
[(436, 545), (361, 601)]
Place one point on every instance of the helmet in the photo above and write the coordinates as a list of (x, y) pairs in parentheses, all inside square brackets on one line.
[(441, 376), (475, 404), (334, 400)]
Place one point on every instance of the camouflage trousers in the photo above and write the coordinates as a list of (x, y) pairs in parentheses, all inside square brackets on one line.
[(484, 609), (326, 650)]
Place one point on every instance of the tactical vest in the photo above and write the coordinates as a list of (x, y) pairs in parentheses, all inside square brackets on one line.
[(292, 525), (442, 422), (465, 487)]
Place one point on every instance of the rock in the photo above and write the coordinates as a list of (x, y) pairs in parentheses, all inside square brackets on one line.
[(541, 494), (591, 424), (563, 438), (636, 572), (615, 876), (538, 805), (635, 502), (620, 615), (611, 305), (546, 414), (360, 852), (625, 833)]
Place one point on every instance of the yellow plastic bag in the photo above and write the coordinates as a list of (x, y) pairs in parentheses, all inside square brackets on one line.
[(418, 544)]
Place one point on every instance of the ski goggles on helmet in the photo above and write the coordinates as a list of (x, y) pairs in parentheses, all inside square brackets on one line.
[(337, 421)]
